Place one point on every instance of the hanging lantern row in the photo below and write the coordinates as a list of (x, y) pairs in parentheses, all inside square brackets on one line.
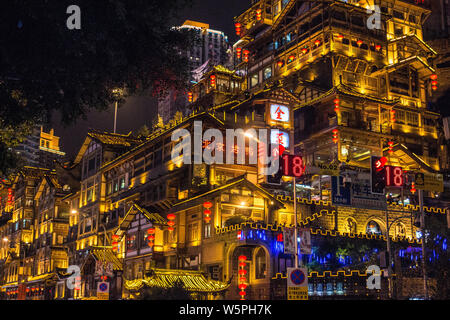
[(207, 212), (335, 135), (171, 222), (242, 276), (337, 104), (190, 96), (151, 237), (434, 82), (238, 28), (115, 243), (258, 14), (392, 115), (238, 53), (246, 53), (391, 147), (413, 188), (10, 197), (212, 79)]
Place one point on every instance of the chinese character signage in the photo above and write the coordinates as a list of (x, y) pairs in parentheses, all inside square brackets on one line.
[(279, 137), (279, 113)]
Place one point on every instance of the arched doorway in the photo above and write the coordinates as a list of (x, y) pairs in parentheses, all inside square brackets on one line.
[(374, 227), (258, 272)]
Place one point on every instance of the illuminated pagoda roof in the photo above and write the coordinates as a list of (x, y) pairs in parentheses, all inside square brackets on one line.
[(408, 159), (417, 62), (238, 181), (275, 90), (155, 218), (422, 44), (105, 255), (109, 138), (192, 281), (347, 91)]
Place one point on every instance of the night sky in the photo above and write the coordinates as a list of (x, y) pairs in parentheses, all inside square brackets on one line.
[(139, 111)]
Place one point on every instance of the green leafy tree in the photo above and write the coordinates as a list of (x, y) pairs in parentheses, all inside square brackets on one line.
[(46, 67)]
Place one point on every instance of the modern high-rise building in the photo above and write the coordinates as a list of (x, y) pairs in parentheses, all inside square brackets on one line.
[(210, 49), (40, 149), (212, 45)]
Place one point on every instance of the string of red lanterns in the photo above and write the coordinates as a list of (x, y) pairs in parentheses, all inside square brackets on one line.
[(171, 222), (413, 188), (258, 14), (238, 53), (337, 104), (115, 243), (246, 53), (392, 115), (238, 28), (190, 96), (434, 82), (335, 135), (391, 147), (207, 212), (242, 276), (213, 80), (151, 236)]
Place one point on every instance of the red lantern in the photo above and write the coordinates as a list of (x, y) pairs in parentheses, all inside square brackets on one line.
[(258, 14), (246, 53), (377, 47), (433, 77), (207, 204), (280, 63), (238, 28), (238, 52), (291, 58), (171, 222), (359, 43), (304, 50), (242, 272), (336, 105), (413, 188), (335, 135), (340, 36), (317, 42), (391, 147), (392, 115), (434, 88)]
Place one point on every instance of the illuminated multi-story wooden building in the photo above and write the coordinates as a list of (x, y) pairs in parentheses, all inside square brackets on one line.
[(325, 86)]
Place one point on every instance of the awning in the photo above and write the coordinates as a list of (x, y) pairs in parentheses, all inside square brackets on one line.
[(192, 281)]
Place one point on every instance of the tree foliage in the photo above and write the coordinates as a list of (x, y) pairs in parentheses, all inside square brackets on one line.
[(46, 67), (177, 292)]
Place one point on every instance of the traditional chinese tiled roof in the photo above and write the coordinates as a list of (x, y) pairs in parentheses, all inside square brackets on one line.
[(114, 139), (107, 255), (241, 181), (192, 281)]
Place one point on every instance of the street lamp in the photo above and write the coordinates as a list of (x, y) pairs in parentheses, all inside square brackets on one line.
[(117, 94)]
